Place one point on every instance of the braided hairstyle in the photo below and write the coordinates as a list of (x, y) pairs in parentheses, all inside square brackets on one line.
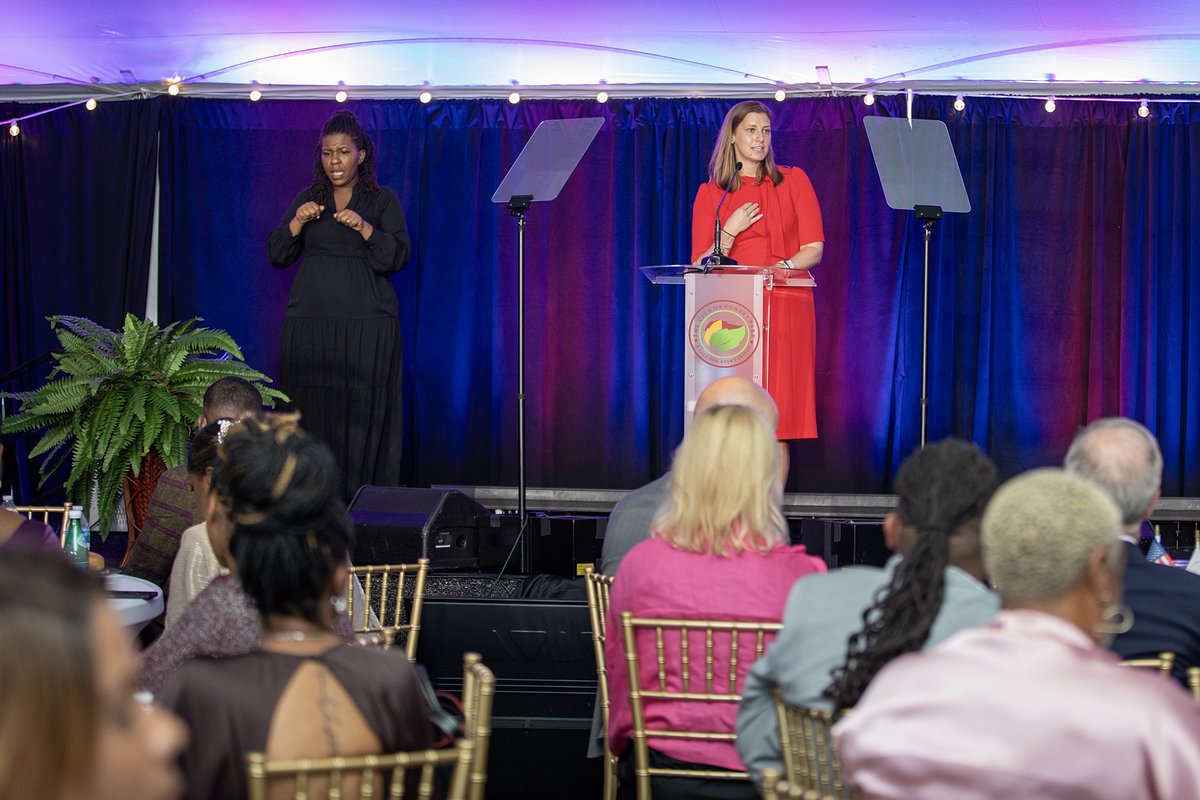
[(941, 490), (344, 122), (280, 488)]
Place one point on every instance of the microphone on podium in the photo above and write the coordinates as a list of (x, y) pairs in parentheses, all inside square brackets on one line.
[(718, 258)]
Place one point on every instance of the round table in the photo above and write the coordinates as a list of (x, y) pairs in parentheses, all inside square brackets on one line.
[(134, 612)]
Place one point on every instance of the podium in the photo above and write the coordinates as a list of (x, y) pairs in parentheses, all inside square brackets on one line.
[(728, 312)]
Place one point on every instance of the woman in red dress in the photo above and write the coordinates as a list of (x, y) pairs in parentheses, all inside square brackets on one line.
[(770, 218)]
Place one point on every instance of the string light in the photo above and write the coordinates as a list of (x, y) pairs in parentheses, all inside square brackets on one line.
[(255, 95), (780, 95), (14, 129), (173, 89), (1050, 105), (426, 97), (341, 96), (960, 104), (514, 98), (1143, 110), (601, 97), (869, 99)]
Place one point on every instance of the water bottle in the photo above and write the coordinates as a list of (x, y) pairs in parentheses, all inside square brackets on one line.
[(79, 538)]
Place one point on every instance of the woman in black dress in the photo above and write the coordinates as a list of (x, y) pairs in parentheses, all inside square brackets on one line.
[(340, 353)]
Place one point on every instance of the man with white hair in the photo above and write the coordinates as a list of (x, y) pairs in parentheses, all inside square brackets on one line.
[(1123, 458)]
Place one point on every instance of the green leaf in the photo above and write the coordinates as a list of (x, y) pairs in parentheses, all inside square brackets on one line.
[(727, 339)]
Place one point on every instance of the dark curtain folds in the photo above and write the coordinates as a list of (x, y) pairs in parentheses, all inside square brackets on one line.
[(1066, 294)]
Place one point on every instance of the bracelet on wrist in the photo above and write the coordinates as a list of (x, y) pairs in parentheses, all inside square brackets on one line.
[(727, 233)]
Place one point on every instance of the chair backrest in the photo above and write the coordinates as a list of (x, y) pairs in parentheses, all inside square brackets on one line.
[(1193, 680), (380, 610), (479, 689), (713, 657), (810, 759), (1164, 663), (48, 513), (363, 776), (775, 788), (599, 589)]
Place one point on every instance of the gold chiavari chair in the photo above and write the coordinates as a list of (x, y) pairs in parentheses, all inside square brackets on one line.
[(698, 679), (599, 589), (1164, 663), (775, 788), (479, 689), (48, 513), (381, 612), (810, 759), (1193, 680)]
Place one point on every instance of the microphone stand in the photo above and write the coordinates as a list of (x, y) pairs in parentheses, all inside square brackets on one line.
[(717, 258)]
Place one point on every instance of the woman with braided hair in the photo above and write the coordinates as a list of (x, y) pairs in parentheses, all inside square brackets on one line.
[(932, 588), (306, 693)]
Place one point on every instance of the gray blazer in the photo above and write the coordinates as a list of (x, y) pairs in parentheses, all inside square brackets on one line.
[(822, 613)]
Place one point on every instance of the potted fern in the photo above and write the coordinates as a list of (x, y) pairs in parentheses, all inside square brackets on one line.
[(121, 406)]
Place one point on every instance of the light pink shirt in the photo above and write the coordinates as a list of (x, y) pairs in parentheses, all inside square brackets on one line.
[(656, 580), (1026, 707)]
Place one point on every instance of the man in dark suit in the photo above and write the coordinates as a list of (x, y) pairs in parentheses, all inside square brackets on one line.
[(1123, 457)]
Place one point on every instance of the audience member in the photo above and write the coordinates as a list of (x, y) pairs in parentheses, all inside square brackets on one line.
[(306, 693), (219, 622), (72, 727), (196, 563), (1030, 705), (930, 589), (20, 533), (1122, 456), (172, 509), (718, 551), (629, 522)]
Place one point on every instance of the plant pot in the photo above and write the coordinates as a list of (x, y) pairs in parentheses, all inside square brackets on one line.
[(136, 491)]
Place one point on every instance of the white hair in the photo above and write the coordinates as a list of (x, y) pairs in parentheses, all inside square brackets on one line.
[(1122, 456)]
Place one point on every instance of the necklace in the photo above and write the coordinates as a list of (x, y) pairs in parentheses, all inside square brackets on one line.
[(299, 636)]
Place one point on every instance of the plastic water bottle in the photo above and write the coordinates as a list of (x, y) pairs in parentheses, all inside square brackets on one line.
[(79, 538)]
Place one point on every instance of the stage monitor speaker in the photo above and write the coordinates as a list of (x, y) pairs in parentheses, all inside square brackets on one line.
[(842, 542), (398, 525)]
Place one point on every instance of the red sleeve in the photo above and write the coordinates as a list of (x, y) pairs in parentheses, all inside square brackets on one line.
[(808, 210), (704, 211)]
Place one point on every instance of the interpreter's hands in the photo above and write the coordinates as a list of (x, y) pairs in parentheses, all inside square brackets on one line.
[(308, 212), (743, 217), (350, 219)]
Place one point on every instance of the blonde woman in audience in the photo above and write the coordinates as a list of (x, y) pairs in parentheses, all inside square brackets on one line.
[(305, 693), (719, 551), (1032, 705), (71, 726)]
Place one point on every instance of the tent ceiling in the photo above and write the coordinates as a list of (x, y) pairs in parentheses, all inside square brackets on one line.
[(629, 43)]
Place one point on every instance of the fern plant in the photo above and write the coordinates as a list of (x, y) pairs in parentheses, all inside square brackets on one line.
[(113, 399)]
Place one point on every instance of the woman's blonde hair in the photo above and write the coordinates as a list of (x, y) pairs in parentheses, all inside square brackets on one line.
[(721, 162), (724, 496)]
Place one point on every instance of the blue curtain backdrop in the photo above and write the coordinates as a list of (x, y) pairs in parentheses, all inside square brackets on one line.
[(1066, 294)]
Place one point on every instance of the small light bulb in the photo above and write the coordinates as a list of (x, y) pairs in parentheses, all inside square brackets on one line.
[(960, 104), (514, 98), (780, 95), (341, 96), (173, 89), (1050, 105), (90, 105), (255, 95), (869, 99), (602, 97), (426, 97), (1143, 110), (14, 129)]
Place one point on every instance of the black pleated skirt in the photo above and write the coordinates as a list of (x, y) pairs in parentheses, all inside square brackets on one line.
[(344, 376)]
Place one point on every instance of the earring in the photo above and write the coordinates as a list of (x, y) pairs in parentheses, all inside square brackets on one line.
[(1115, 619), (339, 603)]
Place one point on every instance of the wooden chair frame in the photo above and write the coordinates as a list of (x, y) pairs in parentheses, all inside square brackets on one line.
[(810, 759), (1193, 681), (599, 591), (1164, 663), (45, 512), (775, 788), (479, 689), (706, 692), (386, 577)]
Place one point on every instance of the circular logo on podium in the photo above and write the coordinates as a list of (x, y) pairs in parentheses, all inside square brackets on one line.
[(724, 333)]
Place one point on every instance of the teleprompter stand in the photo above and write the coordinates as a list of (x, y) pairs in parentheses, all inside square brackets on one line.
[(538, 175), (919, 172)]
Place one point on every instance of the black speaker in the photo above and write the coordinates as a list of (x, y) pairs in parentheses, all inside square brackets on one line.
[(398, 525), (842, 542)]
